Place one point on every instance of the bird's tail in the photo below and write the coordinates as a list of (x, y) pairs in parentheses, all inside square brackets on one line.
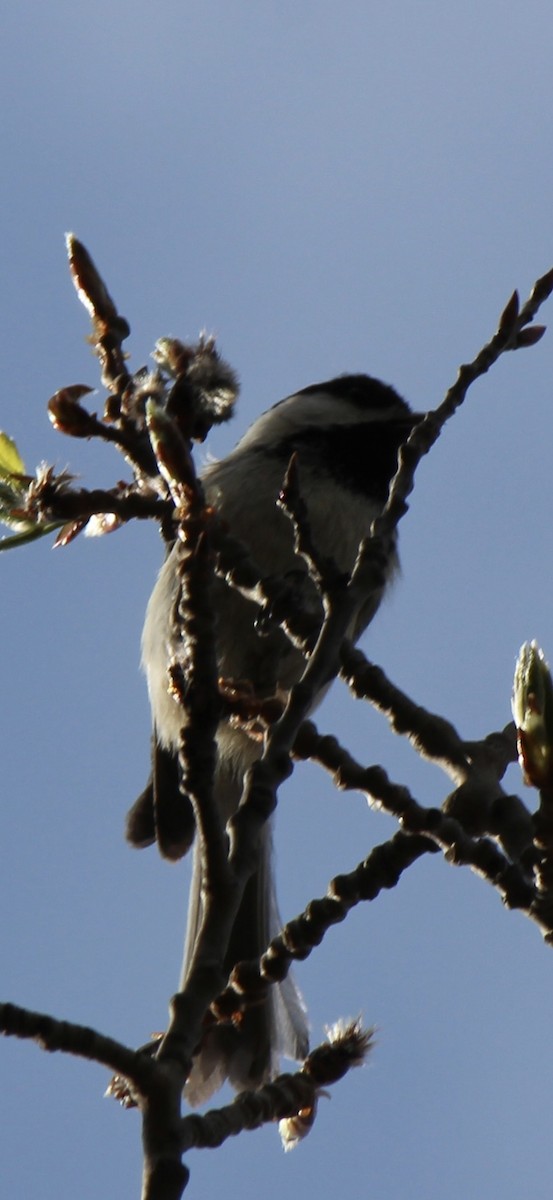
[(248, 1055)]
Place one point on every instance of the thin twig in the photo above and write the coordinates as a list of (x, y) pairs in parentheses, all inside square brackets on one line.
[(69, 1038), (250, 981), (347, 1046)]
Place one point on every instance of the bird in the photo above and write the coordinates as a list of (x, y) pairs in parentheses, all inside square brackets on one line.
[(345, 435)]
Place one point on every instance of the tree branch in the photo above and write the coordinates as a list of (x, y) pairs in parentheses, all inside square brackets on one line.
[(54, 1035)]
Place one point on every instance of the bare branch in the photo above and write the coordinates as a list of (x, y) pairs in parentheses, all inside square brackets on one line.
[(194, 681), (433, 736), (52, 1034), (109, 329), (249, 982), (287, 1096), (510, 335)]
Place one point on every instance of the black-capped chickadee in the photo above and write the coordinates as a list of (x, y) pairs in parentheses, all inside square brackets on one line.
[(346, 434)]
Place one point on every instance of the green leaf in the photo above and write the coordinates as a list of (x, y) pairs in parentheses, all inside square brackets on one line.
[(11, 462)]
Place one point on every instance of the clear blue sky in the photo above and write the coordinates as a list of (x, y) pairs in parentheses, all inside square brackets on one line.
[(330, 188)]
